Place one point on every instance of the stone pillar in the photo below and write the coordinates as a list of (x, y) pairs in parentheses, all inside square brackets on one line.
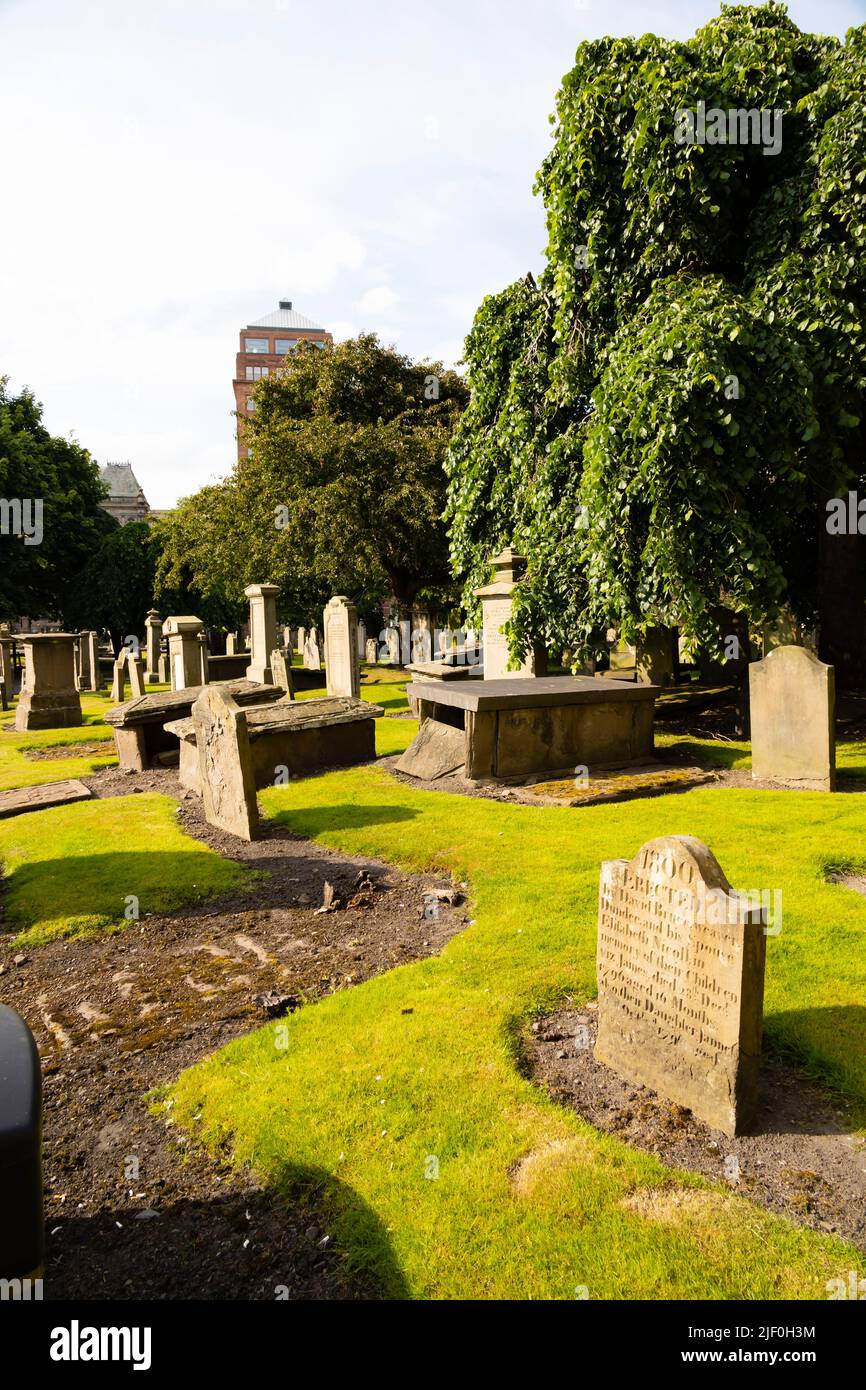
[(93, 660), (153, 635), (341, 647), (263, 631), (49, 699), (163, 669), (496, 601), (184, 656)]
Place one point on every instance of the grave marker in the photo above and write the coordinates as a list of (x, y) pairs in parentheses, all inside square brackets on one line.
[(225, 763), (340, 625), (681, 980), (793, 698)]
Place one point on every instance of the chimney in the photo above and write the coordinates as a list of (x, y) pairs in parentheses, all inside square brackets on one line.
[(285, 304)]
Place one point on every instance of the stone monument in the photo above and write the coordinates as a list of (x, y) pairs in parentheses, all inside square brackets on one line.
[(118, 677), (135, 667), (372, 651), (153, 631), (282, 670), (793, 699), (263, 631), (340, 626), (225, 763), (312, 654), (681, 980), (184, 655), (496, 602), (48, 699)]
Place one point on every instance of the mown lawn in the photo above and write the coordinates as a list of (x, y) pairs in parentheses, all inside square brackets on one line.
[(72, 870), (371, 1093)]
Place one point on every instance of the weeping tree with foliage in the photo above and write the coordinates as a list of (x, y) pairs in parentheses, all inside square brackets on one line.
[(344, 489), (660, 420)]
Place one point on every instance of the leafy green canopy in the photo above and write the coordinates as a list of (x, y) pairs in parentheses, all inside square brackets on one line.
[(658, 422), (37, 467), (344, 491)]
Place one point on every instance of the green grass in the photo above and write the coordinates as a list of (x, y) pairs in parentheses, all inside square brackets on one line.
[(70, 870), (356, 1095)]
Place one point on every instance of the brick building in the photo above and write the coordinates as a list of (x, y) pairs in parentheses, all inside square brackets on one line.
[(263, 345)]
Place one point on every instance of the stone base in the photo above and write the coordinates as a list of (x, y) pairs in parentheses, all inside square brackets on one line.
[(60, 710)]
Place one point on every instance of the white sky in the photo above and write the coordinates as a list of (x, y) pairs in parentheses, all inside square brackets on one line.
[(174, 167)]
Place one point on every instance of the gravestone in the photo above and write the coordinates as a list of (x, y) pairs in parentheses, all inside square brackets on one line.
[(163, 669), (282, 672), (4, 698), (340, 624), (93, 661), (83, 662), (362, 640), (153, 638), (203, 658), (263, 631), (135, 667), (48, 699), (392, 639), (372, 651), (680, 967), (6, 656), (184, 653), (302, 639), (312, 655), (288, 642), (422, 645), (225, 763), (654, 656), (792, 697), (231, 643), (497, 599), (118, 678)]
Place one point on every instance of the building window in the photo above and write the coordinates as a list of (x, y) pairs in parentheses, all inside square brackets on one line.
[(251, 405), (255, 345), (284, 345), (256, 373)]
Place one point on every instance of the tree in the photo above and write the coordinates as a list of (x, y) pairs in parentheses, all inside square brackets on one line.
[(345, 488), (54, 482), (659, 422)]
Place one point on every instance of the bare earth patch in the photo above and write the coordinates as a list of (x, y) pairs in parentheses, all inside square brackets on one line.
[(801, 1160), (131, 1210)]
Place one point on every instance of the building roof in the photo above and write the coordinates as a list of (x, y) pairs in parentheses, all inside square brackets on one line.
[(284, 317), (120, 480)]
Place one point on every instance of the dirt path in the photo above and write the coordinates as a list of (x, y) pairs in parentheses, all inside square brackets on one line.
[(130, 1210)]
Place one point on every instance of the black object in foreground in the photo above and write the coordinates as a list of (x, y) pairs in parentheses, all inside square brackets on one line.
[(21, 1224)]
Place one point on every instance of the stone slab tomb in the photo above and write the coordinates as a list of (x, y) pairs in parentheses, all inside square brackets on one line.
[(518, 728), (49, 698), (140, 726), (40, 798), (793, 699), (680, 966), (293, 737), (224, 763)]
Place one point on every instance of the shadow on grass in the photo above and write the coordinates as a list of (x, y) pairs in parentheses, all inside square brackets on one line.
[(719, 755), (803, 1036), (195, 1248), (317, 819)]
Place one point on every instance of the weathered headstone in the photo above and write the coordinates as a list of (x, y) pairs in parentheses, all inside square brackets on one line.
[(362, 639), (340, 623), (48, 699), (312, 654), (282, 670), (422, 645), (792, 696), (654, 656), (392, 639), (184, 653), (163, 670), (93, 660), (203, 658), (225, 763), (263, 631), (4, 698), (135, 667), (681, 980), (231, 643), (302, 639), (153, 630), (372, 651), (496, 604), (118, 677)]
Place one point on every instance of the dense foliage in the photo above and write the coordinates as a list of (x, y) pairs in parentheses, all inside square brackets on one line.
[(659, 421), (344, 491), (39, 468)]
